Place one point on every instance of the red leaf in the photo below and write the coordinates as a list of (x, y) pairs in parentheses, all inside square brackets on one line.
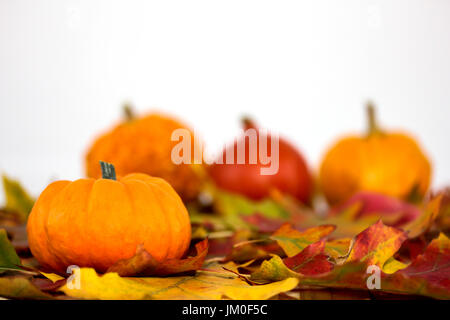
[(311, 261), (376, 244), (428, 274), (373, 203), (262, 223)]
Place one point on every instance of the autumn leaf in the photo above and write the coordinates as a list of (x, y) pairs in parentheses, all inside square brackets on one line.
[(309, 262), (8, 256), (250, 251), (233, 208), (428, 274), (392, 265), (338, 248), (263, 224), (143, 263), (443, 218), (348, 221), (53, 277), (213, 283), (21, 288), (376, 244), (273, 270), (380, 205), (293, 241), (17, 199), (425, 220)]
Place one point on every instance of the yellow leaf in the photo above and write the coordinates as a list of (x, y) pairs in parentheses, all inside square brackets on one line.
[(376, 244), (51, 276), (338, 248), (213, 283), (273, 270), (392, 265), (429, 214), (293, 241)]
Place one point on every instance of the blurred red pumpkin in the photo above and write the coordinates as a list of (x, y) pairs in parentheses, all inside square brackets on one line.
[(292, 178)]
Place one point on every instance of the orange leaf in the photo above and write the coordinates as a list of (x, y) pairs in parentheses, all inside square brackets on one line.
[(293, 241), (143, 263), (376, 244)]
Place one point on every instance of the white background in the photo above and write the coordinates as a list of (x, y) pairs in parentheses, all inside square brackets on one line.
[(302, 68)]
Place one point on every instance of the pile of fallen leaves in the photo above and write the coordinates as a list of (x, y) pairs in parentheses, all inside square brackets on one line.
[(241, 249)]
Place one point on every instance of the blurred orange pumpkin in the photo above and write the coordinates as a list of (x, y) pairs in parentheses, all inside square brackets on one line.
[(143, 144), (95, 223), (390, 163)]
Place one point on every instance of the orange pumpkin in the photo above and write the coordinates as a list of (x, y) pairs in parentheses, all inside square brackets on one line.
[(143, 144), (390, 163), (95, 223)]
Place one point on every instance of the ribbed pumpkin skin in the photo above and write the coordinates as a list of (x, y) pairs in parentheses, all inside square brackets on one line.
[(95, 223), (390, 163), (144, 145)]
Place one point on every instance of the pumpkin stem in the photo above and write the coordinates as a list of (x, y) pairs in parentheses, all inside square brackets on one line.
[(128, 112), (248, 123), (108, 170), (372, 121)]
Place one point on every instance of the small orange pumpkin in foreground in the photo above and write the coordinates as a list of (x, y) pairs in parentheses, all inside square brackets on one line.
[(95, 223), (144, 144), (389, 163)]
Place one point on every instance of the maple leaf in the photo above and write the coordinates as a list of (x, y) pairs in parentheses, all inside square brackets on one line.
[(376, 244), (293, 241), (273, 270), (423, 223), (428, 274), (309, 262), (143, 263), (212, 283)]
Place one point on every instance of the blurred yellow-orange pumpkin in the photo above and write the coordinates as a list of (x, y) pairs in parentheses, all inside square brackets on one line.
[(96, 223), (144, 144), (390, 163)]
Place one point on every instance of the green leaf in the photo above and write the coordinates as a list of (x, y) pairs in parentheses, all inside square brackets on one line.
[(17, 199), (8, 256), (21, 288), (233, 206)]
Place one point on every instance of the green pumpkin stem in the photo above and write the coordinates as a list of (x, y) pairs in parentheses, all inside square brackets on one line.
[(128, 112), (372, 121), (108, 171)]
